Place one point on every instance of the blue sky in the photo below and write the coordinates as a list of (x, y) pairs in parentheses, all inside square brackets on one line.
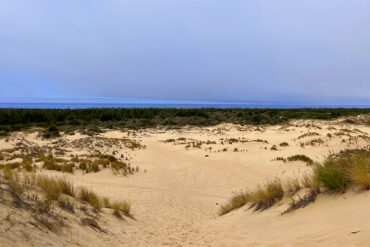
[(311, 51)]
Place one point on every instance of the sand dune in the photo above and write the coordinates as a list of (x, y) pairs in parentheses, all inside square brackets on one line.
[(181, 184)]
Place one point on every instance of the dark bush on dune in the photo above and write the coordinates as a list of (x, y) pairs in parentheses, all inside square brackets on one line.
[(51, 132)]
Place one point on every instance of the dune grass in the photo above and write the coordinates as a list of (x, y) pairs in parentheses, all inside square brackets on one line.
[(54, 187), (43, 197), (90, 197), (361, 177), (266, 195), (301, 157), (336, 174), (291, 186), (263, 197), (348, 167), (15, 187), (237, 201), (310, 181), (308, 134), (331, 177), (301, 202), (121, 207)]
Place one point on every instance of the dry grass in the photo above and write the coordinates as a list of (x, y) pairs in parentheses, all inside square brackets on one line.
[(263, 197), (121, 207), (301, 202), (308, 134), (266, 195), (310, 181), (27, 164), (106, 202), (291, 186), (41, 198), (66, 204), (90, 197), (15, 187), (53, 188), (29, 179), (88, 165), (92, 223), (313, 142), (336, 173), (361, 177), (237, 201), (341, 170)]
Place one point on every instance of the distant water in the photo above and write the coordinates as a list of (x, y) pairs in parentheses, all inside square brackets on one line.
[(158, 105)]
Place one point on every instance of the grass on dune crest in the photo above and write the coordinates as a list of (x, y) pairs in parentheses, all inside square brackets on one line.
[(336, 174), (267, 195), (263, 197), (237, 201), (58, 191)]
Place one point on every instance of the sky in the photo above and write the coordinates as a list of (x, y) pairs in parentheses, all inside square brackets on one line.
[(313, 51)]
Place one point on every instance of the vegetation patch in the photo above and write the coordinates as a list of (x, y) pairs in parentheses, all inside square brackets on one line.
[(346, 168), (301, 157), (308, 135), (135, 118), (51, 132), (335, 174)]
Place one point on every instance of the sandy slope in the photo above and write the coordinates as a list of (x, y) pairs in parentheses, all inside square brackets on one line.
[(175, 200)]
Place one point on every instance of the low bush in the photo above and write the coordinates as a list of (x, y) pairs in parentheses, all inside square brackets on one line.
[(301, 157), (51, 132)]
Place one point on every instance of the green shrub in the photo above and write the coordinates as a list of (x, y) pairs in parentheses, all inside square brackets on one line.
[(331, 177), (51, 132)]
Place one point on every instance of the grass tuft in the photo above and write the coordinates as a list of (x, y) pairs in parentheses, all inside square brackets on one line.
[(331, 177), (121, 207), (237, 201), (53, 188), (90, 197), (267, 195), (291, 186)]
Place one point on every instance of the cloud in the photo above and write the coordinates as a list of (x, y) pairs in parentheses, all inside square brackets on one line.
[(188, 50)]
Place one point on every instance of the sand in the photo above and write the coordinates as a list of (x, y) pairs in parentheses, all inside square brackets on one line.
[(177, 192)]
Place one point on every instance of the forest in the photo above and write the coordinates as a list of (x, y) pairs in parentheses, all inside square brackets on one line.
[(135, 118)]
